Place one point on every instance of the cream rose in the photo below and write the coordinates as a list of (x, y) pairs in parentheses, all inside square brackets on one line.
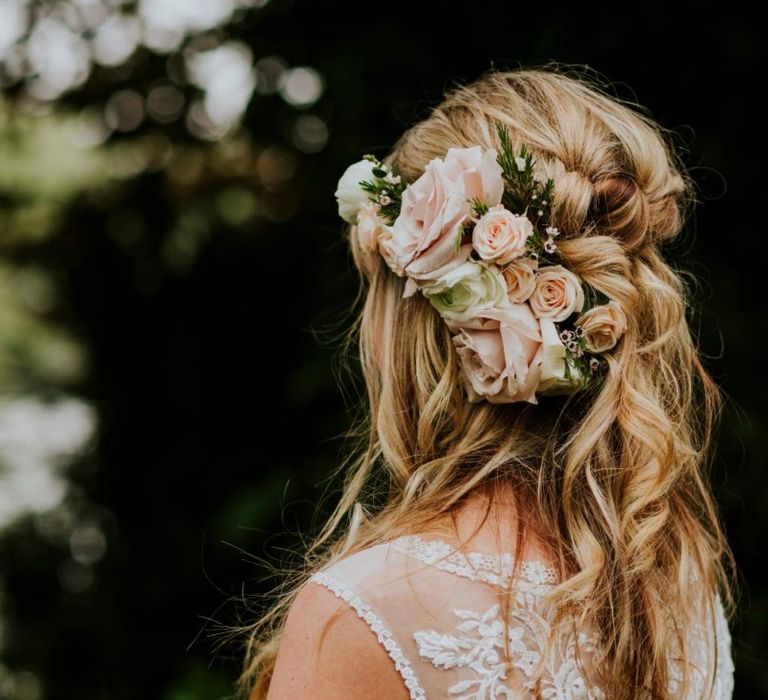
[(553, 353), (501, 361), (520, 276), (436, 205), (603, 326), (500, 236), (369, 227), (387, 252), (557, 293), (463, 292), (349, 195)]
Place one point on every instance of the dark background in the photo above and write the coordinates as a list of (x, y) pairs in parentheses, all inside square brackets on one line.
[(171, 289)]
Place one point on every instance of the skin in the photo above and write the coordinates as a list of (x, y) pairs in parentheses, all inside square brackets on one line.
[(328, 653)]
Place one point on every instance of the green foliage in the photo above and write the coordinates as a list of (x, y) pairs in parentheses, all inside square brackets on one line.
[(523, 194), (385, 190)]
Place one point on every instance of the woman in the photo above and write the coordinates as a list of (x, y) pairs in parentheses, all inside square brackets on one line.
[(530, 515)]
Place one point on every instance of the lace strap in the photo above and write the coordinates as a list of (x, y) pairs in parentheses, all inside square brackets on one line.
[(496, 569), (385, 637)]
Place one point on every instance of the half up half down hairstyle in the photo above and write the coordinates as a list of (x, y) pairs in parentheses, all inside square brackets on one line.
[(613, 479)]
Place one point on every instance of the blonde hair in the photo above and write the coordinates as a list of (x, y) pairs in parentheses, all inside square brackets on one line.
[(613, 479)]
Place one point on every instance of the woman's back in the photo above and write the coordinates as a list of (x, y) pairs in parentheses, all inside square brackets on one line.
[(438, 610)]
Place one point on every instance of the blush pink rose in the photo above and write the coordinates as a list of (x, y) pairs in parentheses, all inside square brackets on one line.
[(557, 294), (435, 207), (500, 236), (501, 355), (520, 276)]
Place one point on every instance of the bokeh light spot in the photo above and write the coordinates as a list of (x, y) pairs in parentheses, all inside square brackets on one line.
[(301, 86), (165, 102), (124, 110), (310, 133)]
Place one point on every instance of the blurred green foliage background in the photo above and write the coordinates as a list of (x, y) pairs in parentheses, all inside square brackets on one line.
[(167, 410)]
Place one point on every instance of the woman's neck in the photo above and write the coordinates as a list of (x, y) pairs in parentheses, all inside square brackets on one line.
[(480, 524)]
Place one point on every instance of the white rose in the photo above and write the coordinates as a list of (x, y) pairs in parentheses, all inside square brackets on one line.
[(557, 293), (369, 227), (603, 326), (463, 292), (553, 354), (349, 195), (500, 236), (521, 278)]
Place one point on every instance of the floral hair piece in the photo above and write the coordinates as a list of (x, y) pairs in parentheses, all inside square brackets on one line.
[(473, 235)]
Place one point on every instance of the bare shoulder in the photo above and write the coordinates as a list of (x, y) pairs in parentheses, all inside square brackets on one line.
[(327, 652)]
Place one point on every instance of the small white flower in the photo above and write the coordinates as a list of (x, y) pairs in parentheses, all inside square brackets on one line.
[(594, 363), (535, 196), (384, 200), (553, 379), (552, 231), (394, 179), (549, 246), (540, 212), (520, 162), (544, 202)]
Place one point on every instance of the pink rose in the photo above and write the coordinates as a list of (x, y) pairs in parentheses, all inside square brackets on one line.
[(435, 207), (368, 227), (501, 355), (500, 236), (557, 293), (520, 276), (388, 252), (603, 325)]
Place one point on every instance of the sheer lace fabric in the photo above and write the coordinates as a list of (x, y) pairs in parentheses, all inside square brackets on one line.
[(438, 614)]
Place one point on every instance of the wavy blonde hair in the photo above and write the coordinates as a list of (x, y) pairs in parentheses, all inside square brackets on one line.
[(613, 479)]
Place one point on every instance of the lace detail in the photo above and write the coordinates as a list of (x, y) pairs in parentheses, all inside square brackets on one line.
[(724, 669), (477, 644), (435, 620), (384, 636), (477, 566)]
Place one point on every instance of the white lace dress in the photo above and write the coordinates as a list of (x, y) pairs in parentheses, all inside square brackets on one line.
[(437, 613)]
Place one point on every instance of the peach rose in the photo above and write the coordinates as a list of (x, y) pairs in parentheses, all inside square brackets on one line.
[(500, 236), (388, 252), (435, 207), (501, 355), (603, 326), (520, 276), (368, 227), (557, 293)]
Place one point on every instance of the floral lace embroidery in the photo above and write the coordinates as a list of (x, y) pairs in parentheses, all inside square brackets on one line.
[(724, 667), (478, 644), (416, 692), (477, 566), (478, 638)]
